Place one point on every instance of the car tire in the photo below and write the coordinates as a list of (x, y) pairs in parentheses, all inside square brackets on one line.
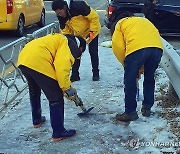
[(20, 27), (41, 23)]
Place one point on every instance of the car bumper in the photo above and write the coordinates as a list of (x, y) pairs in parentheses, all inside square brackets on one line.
[(8, 25)]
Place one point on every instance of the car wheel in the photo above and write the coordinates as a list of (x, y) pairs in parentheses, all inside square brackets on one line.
[(41, 23), (20, 27)]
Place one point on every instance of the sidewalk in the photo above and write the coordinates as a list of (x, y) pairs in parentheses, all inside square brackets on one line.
[(98, 133)]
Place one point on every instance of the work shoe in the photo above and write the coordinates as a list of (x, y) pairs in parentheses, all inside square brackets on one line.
[(127, 117), (73, 79), (43, 119), (95, 77), (146, 111), (64, 135)]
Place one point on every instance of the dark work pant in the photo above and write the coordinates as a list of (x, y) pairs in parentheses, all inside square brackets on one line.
[(50, 87), (75, 68), (150, 58), (93, 51)]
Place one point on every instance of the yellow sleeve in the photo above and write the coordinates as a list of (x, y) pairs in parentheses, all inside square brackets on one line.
[(93, 18), (118, 44), (66, 30), (63, 63)]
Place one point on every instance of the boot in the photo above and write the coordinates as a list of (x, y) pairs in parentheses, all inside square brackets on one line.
[(36, 110), (43, 120), (146, 111), (57, 123), (95, 76), (127, 117), (75, 71), (65, 134), (74, 78)]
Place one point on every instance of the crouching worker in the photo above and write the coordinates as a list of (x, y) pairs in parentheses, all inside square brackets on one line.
[(136, 42), (46, 63)]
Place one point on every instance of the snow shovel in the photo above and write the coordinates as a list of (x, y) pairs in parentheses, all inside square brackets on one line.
[(79, 102)]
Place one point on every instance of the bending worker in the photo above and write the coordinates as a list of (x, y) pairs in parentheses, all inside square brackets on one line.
[(46, 63), (136, 42), (79, 19)]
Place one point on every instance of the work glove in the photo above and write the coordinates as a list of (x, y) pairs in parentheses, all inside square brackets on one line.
[(70, 94), (90, 37)]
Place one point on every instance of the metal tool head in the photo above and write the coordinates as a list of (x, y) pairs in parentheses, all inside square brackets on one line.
[(85, 112)]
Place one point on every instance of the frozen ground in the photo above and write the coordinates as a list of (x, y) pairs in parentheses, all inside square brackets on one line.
[(98, 133)]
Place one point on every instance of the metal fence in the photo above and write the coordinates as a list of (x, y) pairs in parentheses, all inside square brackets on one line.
[(12, 82), (171, 64)]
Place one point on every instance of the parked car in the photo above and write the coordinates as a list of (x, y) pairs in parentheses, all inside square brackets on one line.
[(167, 13), (17, 14)]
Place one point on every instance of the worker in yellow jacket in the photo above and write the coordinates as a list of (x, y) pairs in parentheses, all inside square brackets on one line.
[(136, 42), (79, 19), (46, 63)]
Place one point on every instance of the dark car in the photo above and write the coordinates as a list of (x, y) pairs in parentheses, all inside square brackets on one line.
[(167, 13)]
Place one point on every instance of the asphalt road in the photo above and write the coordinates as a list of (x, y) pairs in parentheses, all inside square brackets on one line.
[(7, 36)]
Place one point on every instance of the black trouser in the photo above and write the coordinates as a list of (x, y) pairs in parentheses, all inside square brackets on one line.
[(50, 87), (93, 51)]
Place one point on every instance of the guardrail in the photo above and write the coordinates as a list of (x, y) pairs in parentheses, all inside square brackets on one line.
[(171, 65), (10, 73), (12, 82), (49, 29), (170, 62)]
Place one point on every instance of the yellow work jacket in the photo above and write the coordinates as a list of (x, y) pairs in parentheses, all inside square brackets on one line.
[(82, 25), (132, 34), (51, 56)]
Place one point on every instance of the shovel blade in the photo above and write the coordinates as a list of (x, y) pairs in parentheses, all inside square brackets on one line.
[(84, 113)]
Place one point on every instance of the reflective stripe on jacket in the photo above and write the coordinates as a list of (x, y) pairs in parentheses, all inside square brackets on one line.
[(132, 34), (51, 56)]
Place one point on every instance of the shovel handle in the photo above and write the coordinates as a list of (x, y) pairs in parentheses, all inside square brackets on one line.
[(79, 102), (83, 108)]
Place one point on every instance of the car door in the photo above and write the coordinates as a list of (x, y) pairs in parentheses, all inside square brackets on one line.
[(37, 9), (167, 14), (3, 11), (173, 15), (30, 12)]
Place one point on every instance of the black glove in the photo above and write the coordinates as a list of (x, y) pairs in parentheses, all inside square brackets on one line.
[(71, 94)]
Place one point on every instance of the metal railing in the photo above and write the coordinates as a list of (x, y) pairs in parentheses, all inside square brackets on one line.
[(171, 64), (10, 73), (12, 82)]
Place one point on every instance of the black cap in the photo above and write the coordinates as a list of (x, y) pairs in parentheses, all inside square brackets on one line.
[(58, 4)]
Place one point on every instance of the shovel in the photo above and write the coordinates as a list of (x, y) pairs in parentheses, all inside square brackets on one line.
[(79, 103)]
